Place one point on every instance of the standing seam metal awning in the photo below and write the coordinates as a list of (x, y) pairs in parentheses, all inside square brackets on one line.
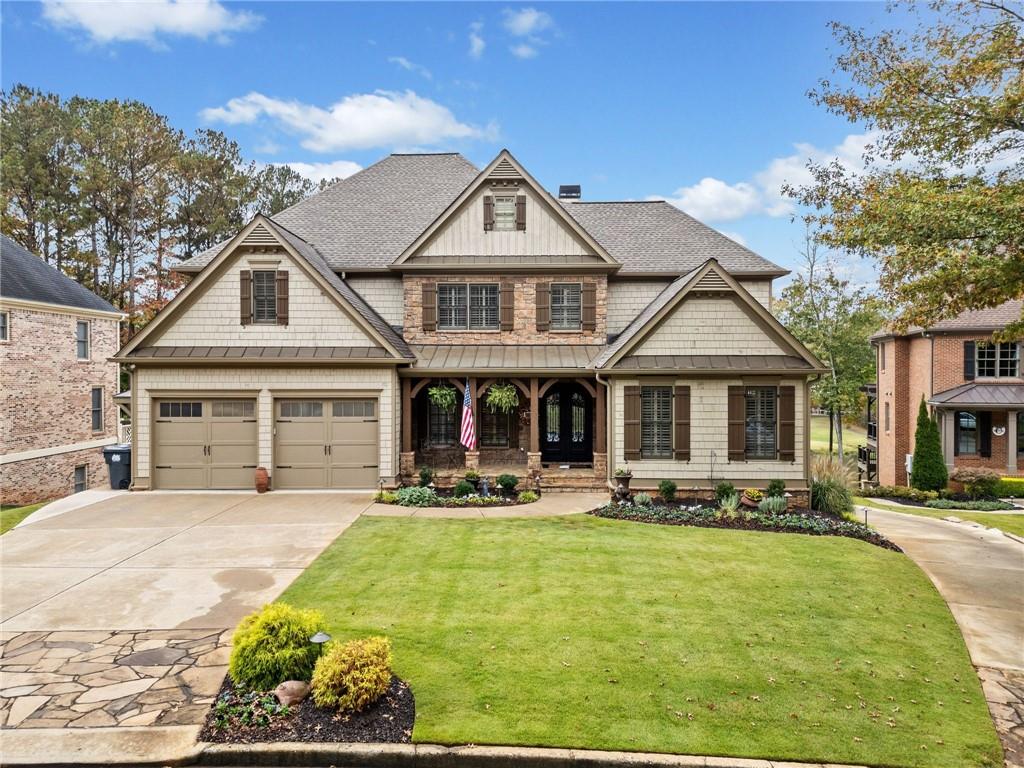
[(978, 395)]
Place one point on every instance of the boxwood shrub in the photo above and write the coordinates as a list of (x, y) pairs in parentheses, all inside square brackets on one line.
[(272, 645)]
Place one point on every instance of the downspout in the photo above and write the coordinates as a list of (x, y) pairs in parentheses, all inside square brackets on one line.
[(607, 426)]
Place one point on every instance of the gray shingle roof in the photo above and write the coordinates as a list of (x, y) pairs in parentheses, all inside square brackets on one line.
[(992, 319), (658, 237), (25, 276)]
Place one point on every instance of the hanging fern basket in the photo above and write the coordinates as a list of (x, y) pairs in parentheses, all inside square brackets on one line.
[(503, 398), (443, 396)]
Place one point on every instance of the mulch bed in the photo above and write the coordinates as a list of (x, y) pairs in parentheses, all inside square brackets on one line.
[(388, 720)]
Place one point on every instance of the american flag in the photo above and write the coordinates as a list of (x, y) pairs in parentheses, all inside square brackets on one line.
[(468, 437)]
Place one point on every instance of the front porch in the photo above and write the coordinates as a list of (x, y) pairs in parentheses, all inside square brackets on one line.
[(982, 425), (556, 431)]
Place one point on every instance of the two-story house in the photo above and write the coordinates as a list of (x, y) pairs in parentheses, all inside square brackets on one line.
[(57, 381), (973, 385), (634, 336)]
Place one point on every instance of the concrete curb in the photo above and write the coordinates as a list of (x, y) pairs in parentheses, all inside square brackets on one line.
[(144, 746)]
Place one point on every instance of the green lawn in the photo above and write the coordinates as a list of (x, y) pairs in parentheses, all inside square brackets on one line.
[(1010, 523), (852, 437), (581, 632), (10, 516)]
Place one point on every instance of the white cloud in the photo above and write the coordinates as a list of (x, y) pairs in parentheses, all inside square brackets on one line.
[(523, 51), (360, 121), (107, 21), (476, 40), (526, 22), (713, 200), (411, 66), (317, 172)]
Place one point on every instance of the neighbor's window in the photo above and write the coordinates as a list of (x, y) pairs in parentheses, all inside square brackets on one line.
[(81, 478), (881, 356), (966, 432), (82, 339), (440, 426), (264, 296), (4, 326), (463, 307), (761, 420), (505, 212), (96, 409), (887, 417), (656, 422), (494, 428), (566, 306), (997, 360)]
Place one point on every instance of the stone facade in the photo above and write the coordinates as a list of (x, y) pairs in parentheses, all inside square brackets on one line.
[(46, 395), (525, 322)]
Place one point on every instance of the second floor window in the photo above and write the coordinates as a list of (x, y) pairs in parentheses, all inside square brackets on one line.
[(505, 212), (761, 420), (998, 360), (4, 321), (96, 409), (656, 422), (82, 339), (264, 296), (467, 307), (566, 306)]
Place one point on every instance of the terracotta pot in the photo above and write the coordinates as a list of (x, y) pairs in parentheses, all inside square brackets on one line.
[(262, 480), (746, 501)]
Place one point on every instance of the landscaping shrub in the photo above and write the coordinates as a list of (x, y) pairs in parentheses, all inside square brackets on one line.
[(352, 675), (973, 506), (898, 492), (1010, 487), (426, 476), (724, 489), (507, 482), (979, 483), (772, 505), (929, 468), (415, 496), (667, 491), (830, 486), (527, 497), (386, 497), (776, 488), (729, 504), (272, 645), (643, 499), (463, 488)]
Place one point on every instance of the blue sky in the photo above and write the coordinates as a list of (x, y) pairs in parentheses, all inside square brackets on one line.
[(700, 103)]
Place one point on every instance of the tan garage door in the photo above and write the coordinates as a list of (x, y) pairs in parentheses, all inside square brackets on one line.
[(326, 443), (199, 444)]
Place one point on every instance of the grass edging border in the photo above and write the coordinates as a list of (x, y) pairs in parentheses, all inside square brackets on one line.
[(469, 756)]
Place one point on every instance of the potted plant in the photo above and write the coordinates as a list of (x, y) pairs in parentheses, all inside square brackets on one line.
[(623, 476), (473, 478), (443, 396), (751, 497), (503, 398)]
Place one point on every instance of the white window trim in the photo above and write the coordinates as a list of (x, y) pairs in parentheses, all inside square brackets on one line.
[(979, 345)]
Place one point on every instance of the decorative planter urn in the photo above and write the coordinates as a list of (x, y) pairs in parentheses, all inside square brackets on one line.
[(623, 480), (262, 480)]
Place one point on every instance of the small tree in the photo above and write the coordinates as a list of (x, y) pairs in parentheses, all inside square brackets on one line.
[(929, 470)]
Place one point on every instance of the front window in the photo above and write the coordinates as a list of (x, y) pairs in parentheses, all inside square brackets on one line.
[(656, 422), (441, 426), (81, 478), (998, 360), (966, 433), (462, 307), (505, 212), (97, 409), (4, 331), (494, 429), (82, 339), (264, 296), (566, 306), (761, 421)]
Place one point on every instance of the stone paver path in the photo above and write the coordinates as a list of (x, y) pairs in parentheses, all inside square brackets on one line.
[(89, 679)]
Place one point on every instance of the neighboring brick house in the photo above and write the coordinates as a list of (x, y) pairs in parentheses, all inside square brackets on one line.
[(307, 344), (57, 380), (973, 385)]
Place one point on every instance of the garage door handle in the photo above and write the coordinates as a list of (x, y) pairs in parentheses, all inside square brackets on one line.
[(282, 466), (164, 466), (248, 466), (369, 466), (370, 420)]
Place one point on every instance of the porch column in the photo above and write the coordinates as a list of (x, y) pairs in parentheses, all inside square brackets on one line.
[(473, 457), (948, 436), (1011, 442), (600, 439), (533, 457), (407, 458)]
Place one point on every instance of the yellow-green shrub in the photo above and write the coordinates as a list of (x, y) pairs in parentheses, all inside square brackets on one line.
[(352, 675), (272, 645)]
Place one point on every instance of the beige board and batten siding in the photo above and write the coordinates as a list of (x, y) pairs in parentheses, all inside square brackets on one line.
[(627, 298), (545, 235), (709, 428), (266, 385), (709, 325), (213, 317), (384, 294)]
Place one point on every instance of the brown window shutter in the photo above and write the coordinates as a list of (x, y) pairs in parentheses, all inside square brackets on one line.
[(984, 434), (507, 306), (488, 213), (631, 423), (969, 353), (589, 306), (787, 423), (282, 296), (429, 306), (737, 423), (245, 297), (521, 212), (681, 417), (543, 306)]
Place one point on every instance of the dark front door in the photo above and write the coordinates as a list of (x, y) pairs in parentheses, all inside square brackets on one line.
[(567, 425)]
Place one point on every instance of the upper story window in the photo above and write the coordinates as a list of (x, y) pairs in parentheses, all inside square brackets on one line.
[(656, 422), (998, 360), (96, 409), (761, 419), (505, 212), (264, 296), (5, 330), (566, 306), (462, 307), (82, 339), (881, 356)]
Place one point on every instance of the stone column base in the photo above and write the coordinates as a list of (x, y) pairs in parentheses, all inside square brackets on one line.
[(533, 462), (407, 462), (472, 459), (601, 465)]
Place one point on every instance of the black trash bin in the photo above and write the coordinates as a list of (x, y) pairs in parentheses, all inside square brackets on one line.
[(119, 463)]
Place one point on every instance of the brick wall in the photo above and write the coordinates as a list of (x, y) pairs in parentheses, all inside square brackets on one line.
[(50, 477), (525, 321)]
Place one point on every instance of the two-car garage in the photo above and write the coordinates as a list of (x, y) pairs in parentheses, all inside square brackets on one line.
[(213, 443)]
